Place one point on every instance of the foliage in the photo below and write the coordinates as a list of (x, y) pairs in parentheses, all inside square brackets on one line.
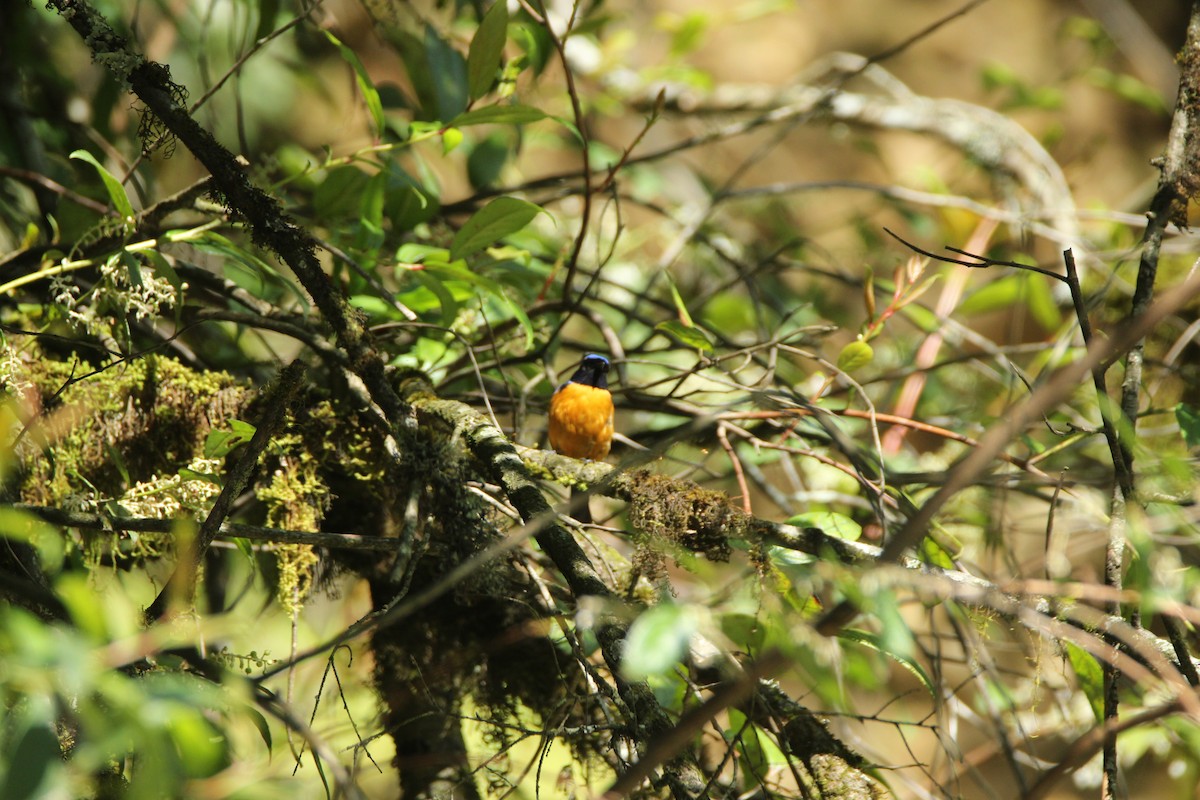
[(219, 570)]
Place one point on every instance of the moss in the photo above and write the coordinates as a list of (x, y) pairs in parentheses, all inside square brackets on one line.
[(297, 498), (694, 518), (124, 425)]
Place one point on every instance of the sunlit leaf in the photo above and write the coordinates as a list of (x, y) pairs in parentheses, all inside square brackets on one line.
[(1089, 676), (365, 85), (219, 443), (831, 522), (116, 192), (999, 294), (657, 640), (202, 750), (1128, 87), (44, 537), (451, 139), (497, 219), (854, 356), (514, 114), (692, 336), (680, 307)]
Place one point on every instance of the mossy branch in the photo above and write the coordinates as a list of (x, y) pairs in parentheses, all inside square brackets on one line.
[(182, 583), (269, 225), (500, 460)]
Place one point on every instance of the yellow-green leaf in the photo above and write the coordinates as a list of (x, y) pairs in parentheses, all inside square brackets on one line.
[(116, 192), (692, 336), (1089, 676), (451, 138), (365, 85), (657, 640), (854, 356)]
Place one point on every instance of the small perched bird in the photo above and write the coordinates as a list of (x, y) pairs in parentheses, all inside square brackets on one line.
[(581, 416)]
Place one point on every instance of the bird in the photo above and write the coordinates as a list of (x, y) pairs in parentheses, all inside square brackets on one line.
[(581, 416)]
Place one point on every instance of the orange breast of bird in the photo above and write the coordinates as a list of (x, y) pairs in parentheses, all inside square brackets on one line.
[(581, 421)]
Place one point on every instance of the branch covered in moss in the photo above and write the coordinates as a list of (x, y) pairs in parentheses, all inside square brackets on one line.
[(167, 118), (704, 521), (182, 583), (501, 461)]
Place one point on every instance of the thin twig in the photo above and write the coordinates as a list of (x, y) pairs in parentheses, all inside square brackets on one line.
[(228, 530)]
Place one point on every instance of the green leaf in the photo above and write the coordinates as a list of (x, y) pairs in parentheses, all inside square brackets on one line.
[(1089, 676), (32, 763), (88, 615), (370, 232), (365, 85), (208, 477), (521, 317), (412, 50), (44, 537), (923, 318), (451, 139), (855, 356), (883, 645), (684, 329), (497, 219), (408, 202), (837, 525), (373, 306), (134, 267), (116, 192), (446, 300), (260, 722), (448, 71), (1041, 302), (688, 33), (514, 114), (164, 268), (997, 295), (218, 444), (246, 548), (339, 193), (487, 160), (692, 336), (657, 640), (758, 751), (1189, 424), (1128, 88), (537, 43), (681, 308), (487, 48), (455, 271), (267, 11)]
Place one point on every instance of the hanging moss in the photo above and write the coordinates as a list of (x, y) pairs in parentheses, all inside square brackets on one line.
[(296, 499)]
